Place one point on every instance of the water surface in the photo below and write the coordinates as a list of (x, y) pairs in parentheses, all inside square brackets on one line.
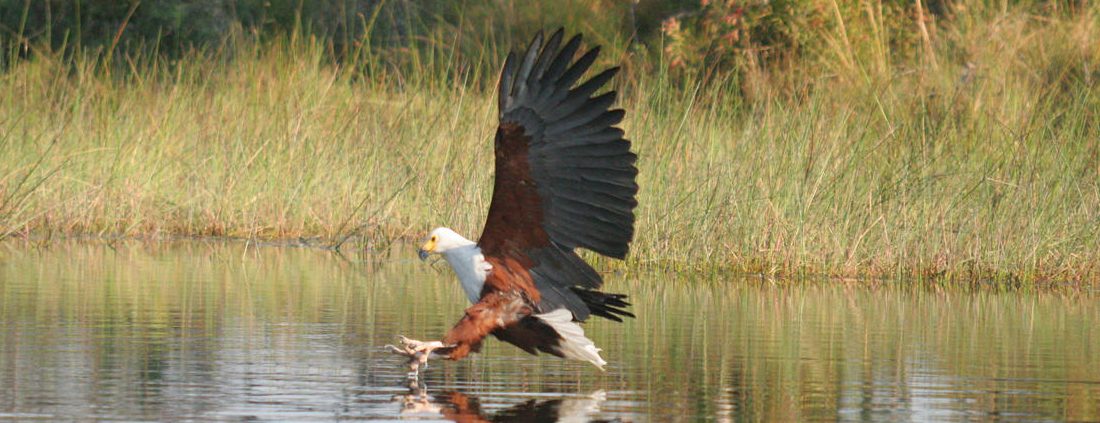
[(216, 331)]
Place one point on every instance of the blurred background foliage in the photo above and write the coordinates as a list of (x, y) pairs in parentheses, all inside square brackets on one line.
[(777, 41)]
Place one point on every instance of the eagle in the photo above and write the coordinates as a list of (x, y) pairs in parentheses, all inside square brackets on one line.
[(565, 179)]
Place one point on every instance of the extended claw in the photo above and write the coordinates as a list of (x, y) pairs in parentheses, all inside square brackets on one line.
[(418, 352)]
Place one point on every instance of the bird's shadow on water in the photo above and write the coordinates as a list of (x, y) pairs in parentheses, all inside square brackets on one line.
[(462, 407)]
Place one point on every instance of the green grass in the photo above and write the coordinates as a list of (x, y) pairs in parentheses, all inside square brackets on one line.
[(976, 160)]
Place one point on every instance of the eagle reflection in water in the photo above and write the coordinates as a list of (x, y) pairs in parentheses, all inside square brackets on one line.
[(460, 407)]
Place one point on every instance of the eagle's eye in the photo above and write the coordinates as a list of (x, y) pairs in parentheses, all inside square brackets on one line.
[(433, 239)]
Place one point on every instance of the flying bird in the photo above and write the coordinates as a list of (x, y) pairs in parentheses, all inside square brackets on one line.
[(565, 179)]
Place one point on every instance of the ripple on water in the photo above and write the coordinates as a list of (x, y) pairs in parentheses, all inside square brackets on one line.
[(207, 332)]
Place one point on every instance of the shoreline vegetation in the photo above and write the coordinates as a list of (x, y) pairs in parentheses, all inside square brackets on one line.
[(897, 146)]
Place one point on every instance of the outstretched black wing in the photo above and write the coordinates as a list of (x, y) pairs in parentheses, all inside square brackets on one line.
[(565, 177)]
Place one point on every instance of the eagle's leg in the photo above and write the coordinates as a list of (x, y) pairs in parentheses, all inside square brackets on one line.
[(495, 310), (418, 352)]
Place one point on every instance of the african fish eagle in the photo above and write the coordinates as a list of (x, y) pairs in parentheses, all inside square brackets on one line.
[(565, 178)]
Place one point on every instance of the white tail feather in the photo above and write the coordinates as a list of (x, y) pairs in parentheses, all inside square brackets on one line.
[(574, 345)]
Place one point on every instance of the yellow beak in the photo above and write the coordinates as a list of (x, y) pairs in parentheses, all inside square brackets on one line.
[(427, 248)]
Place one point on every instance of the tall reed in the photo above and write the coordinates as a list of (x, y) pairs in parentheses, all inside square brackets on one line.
[(980, 164)]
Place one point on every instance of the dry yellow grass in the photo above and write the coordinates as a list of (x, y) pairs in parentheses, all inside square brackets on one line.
[(983, 165)]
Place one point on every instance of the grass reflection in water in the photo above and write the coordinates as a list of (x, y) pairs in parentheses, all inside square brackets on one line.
[(202, 330)]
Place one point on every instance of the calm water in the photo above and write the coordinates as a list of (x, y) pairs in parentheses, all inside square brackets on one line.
[(225, 332)]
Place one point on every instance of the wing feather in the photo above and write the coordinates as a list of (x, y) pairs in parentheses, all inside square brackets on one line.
[(507, 80), (565, 177)]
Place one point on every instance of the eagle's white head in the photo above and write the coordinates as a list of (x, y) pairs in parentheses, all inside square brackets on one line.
[(463, 256), (442, 240)]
